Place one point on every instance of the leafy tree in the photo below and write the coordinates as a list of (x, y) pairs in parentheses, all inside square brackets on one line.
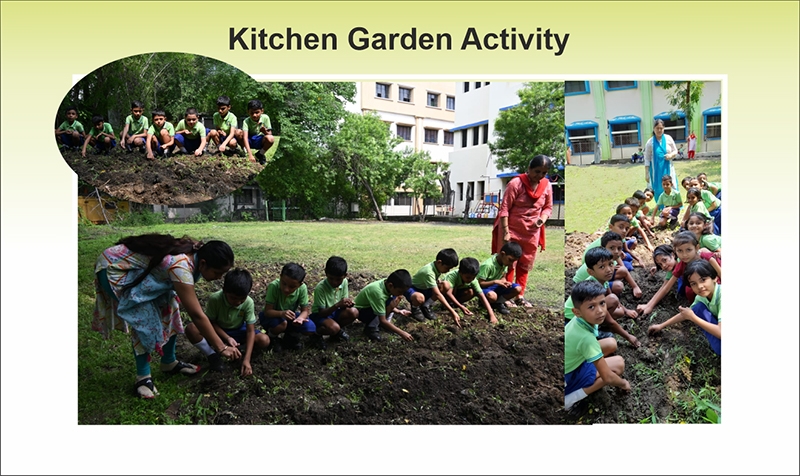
[(684, 96), (364, 149), (535, 126), (424, 178)]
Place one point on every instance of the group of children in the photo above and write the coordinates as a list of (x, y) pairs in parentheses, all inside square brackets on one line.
[(162, 138), (692, 263), (289, 311)]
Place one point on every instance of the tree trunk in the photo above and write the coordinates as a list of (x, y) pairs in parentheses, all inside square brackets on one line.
[(374, 203), (688, 109)]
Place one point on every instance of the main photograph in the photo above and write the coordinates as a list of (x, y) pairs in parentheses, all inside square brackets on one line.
[(397, 261)]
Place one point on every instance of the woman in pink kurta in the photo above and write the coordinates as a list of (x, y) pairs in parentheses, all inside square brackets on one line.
[(527, 204)]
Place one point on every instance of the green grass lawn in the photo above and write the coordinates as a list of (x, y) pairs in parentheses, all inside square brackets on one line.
[(593, 191), (106, 368)]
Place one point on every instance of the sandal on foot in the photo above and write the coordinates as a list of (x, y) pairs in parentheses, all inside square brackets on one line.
[(522, 302), (181, 368), (150, 390)]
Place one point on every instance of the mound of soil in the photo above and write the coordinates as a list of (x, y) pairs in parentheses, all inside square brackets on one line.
[(178, 180), (510, 373), (669, 368)]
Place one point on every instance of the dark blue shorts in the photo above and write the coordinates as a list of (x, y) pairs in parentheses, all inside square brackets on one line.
[(66, 139), (268, 323), (317, 319), (627, 260), (368, 316), (190, 145), (425, 292), (582, 377), (101, 144), (704, 313), (240, 334), (674, 212), (717, 215), (256, 142), (500, 290), (461, 295)]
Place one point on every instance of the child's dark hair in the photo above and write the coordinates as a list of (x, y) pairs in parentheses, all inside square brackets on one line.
[(667, 177), (137, 104), (469, 266), (336, 266), (649, 189), (585, 290), (71, 108), (97, 120), (400, 278), (685, 180), (217, 254), (608, 237), (448, 257), (254, 104), (617, 218), (158, 112), (702, 267), (663, 250), (639, 195), (294, 271), (632, 202), (701, 217), (513, 249), (597, 255), (223, 101), (683, 237), (191, 111), (621, 207), (238, 282), (694, 191), (539, 161)]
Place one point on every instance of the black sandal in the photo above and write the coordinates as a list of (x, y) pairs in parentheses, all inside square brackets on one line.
[(183, 368), (145, 382)]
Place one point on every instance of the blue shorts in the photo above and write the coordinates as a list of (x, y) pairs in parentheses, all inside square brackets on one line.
[(627, 260), (368, 316), (460, 294), (582, 377), (704, 313), (717, 215), (66, 139), (317, 319), (425, 292), (190, 145), (240, 334), (674, 212), (500, 290), (256, 141), (268, 323), (101, 144)]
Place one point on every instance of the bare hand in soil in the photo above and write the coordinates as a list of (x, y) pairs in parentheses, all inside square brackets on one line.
[(654, 329), (247, 369), (631, 313), (626, 386), (637, 292), (406, 336), (231, 353), (456, 319), (653, 270), (634, 341), (686, 313), (403, 312), (493, 320), (467, 312), (221, 148), (150, 156), (642, 309), (232, 342)]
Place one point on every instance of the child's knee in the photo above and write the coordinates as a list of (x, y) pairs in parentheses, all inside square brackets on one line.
[(491, 296), (279, 328), (417, 299), (612, 302), (617, 287), (262, 340)]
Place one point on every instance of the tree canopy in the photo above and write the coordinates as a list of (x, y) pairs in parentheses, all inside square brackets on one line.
[(684, 96)]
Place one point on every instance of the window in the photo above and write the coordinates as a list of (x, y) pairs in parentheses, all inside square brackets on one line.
[(713, 125), (431, 136), (433, 100), (477, 84), (451, 103), (576, 87), (381, 90), (475, 138), (485, 133), (624, 134), (582, 141), (616, 85), (676, 128), (404, 95), (404, 132), (486, 83), (448, 138), (460, 187), (463, 137), (481, 188), (466, 86), (403, 199), (244, 197)]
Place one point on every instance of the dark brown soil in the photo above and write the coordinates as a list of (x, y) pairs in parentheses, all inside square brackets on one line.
[(667, 369), (510, 373), (178, 180)]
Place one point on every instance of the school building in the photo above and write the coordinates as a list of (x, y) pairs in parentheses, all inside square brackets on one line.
[(477, 182), (612, 119), (422, 114)]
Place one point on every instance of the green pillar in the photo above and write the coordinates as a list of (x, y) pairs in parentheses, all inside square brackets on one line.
[(602, 124), (283, 210), (646, 89)]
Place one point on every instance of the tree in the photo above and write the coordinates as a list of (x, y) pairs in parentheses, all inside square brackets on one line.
[(535, 126), (364, 149), (424, 178), (684, 96)]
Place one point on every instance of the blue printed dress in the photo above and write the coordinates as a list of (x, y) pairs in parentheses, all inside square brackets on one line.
[(654, 152)]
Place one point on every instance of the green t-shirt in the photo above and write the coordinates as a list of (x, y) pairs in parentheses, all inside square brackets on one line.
[(580, 344), (326, 295), (196, 132), (226, 316), (136, 127), (648, 206), (709, 198), (582, 274), (457, 284), (225, 123), (157, 130), (634, 223), (594, 244), (700, 208), (491, 269), (672, 199), (568, 305), (75, 126), (716, 185), (374, 296), (426, 278), (714, 304), (250, 125), (106, 128), (298, 299), (711, 242)]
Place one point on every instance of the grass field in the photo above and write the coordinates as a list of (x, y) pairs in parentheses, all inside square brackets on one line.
[(105, 367), (595, 188)]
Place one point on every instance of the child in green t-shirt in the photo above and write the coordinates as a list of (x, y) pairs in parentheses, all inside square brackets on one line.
[(287, 308), (586, 367), (613, 243), (491, 277), (232, 313), (670, 203), (333, 309), (70, 133), (700, 226), (160, 136), (190, 134), (461, 284), (619, 224), (135, 131), (378, 301), (100, 135), (226, 133), (257, 132), (425, 287)]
